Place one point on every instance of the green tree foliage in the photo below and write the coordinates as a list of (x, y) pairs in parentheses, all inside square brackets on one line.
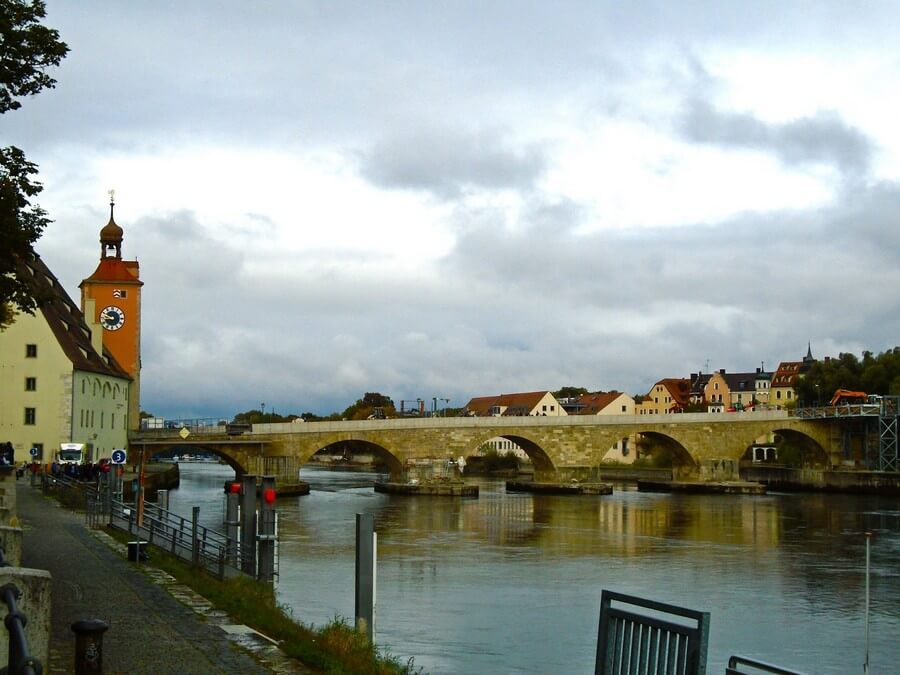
[(27, 50), (259, 417), (871, 374), (570, 392), (371, 404)]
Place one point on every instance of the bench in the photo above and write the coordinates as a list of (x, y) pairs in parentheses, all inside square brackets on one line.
[(645, 637)]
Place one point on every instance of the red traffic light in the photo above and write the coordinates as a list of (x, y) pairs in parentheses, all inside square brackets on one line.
[(234, 488), (268, 496)]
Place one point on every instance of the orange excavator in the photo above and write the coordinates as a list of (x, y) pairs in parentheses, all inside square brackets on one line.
[(845, 396)]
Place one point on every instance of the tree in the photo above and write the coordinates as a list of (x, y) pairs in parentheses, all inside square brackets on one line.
[(366, 407), (27, 50), (569, 392)]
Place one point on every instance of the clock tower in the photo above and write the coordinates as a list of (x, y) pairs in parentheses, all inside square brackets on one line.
[(111, 302)]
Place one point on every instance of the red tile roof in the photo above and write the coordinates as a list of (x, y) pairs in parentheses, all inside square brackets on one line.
[(67, 322), (515, 404), (591, 404)]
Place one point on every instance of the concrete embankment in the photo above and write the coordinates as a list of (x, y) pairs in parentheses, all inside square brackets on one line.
[(823, 480)]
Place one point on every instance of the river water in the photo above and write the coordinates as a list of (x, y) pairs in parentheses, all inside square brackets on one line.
[(510, 583)]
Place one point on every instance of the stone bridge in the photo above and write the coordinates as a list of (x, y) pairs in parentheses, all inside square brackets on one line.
[(561, 448)]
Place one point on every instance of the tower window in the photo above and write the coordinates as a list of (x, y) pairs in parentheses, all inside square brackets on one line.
[(30, 384), (30, 416), (30, 351)]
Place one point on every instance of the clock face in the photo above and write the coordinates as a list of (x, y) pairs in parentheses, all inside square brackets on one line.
[(112, 318)]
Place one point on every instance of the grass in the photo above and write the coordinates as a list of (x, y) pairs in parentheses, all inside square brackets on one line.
[(335, 648)]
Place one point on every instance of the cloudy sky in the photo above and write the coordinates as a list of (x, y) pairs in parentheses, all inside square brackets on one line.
[(457, 199)]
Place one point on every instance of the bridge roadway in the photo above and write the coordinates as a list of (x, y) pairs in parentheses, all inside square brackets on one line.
[(561, 448)]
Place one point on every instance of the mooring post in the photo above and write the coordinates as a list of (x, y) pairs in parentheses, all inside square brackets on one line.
[(267, 532), (248, 524), (89, 646), (866, 661), (365, 574)]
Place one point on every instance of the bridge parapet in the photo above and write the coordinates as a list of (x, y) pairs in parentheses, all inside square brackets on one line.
[(517, 422)]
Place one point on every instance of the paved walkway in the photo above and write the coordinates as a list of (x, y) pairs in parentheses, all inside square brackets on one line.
[(150, 631)]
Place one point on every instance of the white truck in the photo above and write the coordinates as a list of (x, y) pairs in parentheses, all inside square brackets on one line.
[(73, 453)]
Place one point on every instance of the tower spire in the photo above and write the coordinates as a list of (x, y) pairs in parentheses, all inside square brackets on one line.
[(111, 234)]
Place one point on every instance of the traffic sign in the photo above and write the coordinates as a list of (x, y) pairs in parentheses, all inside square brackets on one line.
[(118, 456)]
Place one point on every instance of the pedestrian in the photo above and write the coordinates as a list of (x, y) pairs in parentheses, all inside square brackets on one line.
[(8, 456)]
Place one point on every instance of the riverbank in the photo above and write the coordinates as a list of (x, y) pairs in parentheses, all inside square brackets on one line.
[(206, 625)]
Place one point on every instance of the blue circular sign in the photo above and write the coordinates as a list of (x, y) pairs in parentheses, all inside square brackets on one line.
[(34, 452), (118, 456)]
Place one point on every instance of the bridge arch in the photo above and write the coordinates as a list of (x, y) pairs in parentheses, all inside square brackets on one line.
[(356, 445), (794, 442), (667, 450), (212, 449), (538, 456)]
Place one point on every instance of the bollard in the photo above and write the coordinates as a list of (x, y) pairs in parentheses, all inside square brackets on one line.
[(89, 646), (365, 574)]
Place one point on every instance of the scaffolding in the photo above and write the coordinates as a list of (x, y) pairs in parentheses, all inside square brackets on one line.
[(879, 414)]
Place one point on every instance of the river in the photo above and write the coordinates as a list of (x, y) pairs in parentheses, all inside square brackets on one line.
[(510, 583)]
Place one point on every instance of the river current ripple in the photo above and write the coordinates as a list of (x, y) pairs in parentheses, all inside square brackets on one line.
[(510, 583)]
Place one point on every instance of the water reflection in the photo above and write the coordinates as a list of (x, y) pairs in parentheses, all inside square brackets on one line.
[(511, 582)]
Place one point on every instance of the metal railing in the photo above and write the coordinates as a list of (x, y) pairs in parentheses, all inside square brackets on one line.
[(20, 661), (182, 537), (737, 666), (832, 411), (216, 552)]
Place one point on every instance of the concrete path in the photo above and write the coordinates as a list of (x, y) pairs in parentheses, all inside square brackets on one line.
[(150, 631)]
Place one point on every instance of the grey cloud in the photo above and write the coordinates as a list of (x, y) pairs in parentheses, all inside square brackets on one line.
[(823, 138), (448, 163), (738, 292)]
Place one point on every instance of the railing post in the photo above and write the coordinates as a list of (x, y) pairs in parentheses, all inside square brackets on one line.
[(195, 542)]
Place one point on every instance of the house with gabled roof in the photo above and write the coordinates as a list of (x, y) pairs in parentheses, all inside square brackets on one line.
[(669, 395), (605, 403), (698, 388), (731, 390), (786, 377), (533, 403), (60, 384)]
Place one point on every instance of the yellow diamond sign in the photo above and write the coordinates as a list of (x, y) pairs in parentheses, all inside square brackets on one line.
[(184, 433)]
